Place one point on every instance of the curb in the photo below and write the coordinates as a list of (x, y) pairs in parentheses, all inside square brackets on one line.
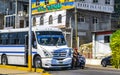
[(46, 73)]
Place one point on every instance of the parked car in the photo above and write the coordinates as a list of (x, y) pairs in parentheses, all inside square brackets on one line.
[(106, 61)]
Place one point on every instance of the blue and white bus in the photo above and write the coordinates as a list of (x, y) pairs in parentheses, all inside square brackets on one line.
[(49, 47)]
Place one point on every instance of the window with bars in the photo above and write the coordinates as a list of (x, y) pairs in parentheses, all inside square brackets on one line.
[(106, 39), (107, 1), (41, 20), (50, 19), (81, 19), (95, 1), (10, 21), (95, 20), (60, 18)]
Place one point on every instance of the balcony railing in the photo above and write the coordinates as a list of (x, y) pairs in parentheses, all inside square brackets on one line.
[(102, 27)]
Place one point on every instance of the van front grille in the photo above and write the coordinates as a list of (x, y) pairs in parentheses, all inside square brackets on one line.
[(59, 54)]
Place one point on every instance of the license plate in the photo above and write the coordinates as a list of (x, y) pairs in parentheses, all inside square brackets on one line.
[(60, 62)]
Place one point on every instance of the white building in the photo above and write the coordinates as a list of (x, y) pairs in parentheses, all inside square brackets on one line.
[(101, 46)]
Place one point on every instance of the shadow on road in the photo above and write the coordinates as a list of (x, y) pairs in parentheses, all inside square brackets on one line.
[(62, 69)]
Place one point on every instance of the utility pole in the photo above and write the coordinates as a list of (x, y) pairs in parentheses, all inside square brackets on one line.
[(16, 10), (76, 27), (71, 31), (30, 35), (16, 13)]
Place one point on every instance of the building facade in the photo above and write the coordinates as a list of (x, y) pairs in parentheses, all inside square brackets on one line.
[(94, 15), (15, 13), (85, 17), (101, 41)]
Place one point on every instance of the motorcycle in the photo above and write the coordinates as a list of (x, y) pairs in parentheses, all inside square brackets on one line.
[(81, 61)]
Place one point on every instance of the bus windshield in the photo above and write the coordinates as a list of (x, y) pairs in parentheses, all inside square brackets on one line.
[(50, 38)]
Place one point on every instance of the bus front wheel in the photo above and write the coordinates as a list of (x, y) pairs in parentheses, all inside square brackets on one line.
[(4, 60), (37, 62)]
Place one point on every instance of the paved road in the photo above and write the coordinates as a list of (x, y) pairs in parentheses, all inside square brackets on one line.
[(86, 71)]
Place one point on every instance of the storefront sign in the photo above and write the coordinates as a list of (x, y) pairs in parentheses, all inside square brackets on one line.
[(95, 7), (40, 6)]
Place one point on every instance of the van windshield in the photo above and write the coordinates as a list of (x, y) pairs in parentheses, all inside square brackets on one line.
[(50, 38)]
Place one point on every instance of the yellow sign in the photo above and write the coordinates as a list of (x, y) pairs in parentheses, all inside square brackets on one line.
[(41, 6)]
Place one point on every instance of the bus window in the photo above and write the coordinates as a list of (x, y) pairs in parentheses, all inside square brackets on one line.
[(21, 37), (12, 38), (4, 38)]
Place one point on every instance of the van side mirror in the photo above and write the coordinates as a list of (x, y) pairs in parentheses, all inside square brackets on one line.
[(34, 44)]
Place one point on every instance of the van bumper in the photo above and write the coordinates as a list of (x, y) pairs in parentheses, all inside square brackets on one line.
[(55, 63)]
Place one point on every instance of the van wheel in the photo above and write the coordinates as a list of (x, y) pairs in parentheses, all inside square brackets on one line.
[(37, 62), (4, 60)]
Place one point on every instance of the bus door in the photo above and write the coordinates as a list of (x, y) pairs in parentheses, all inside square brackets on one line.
[(26, 49)]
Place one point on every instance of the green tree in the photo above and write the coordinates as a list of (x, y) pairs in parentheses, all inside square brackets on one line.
[(115, 47)]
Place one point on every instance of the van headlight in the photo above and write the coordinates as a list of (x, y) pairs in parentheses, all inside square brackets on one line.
[(47, 54)]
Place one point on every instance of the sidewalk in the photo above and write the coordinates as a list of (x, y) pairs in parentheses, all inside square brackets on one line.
[(5, 71), (12, 70), (101, 68)]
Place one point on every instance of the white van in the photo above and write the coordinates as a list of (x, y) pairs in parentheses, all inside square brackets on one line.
[(49, 47)]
